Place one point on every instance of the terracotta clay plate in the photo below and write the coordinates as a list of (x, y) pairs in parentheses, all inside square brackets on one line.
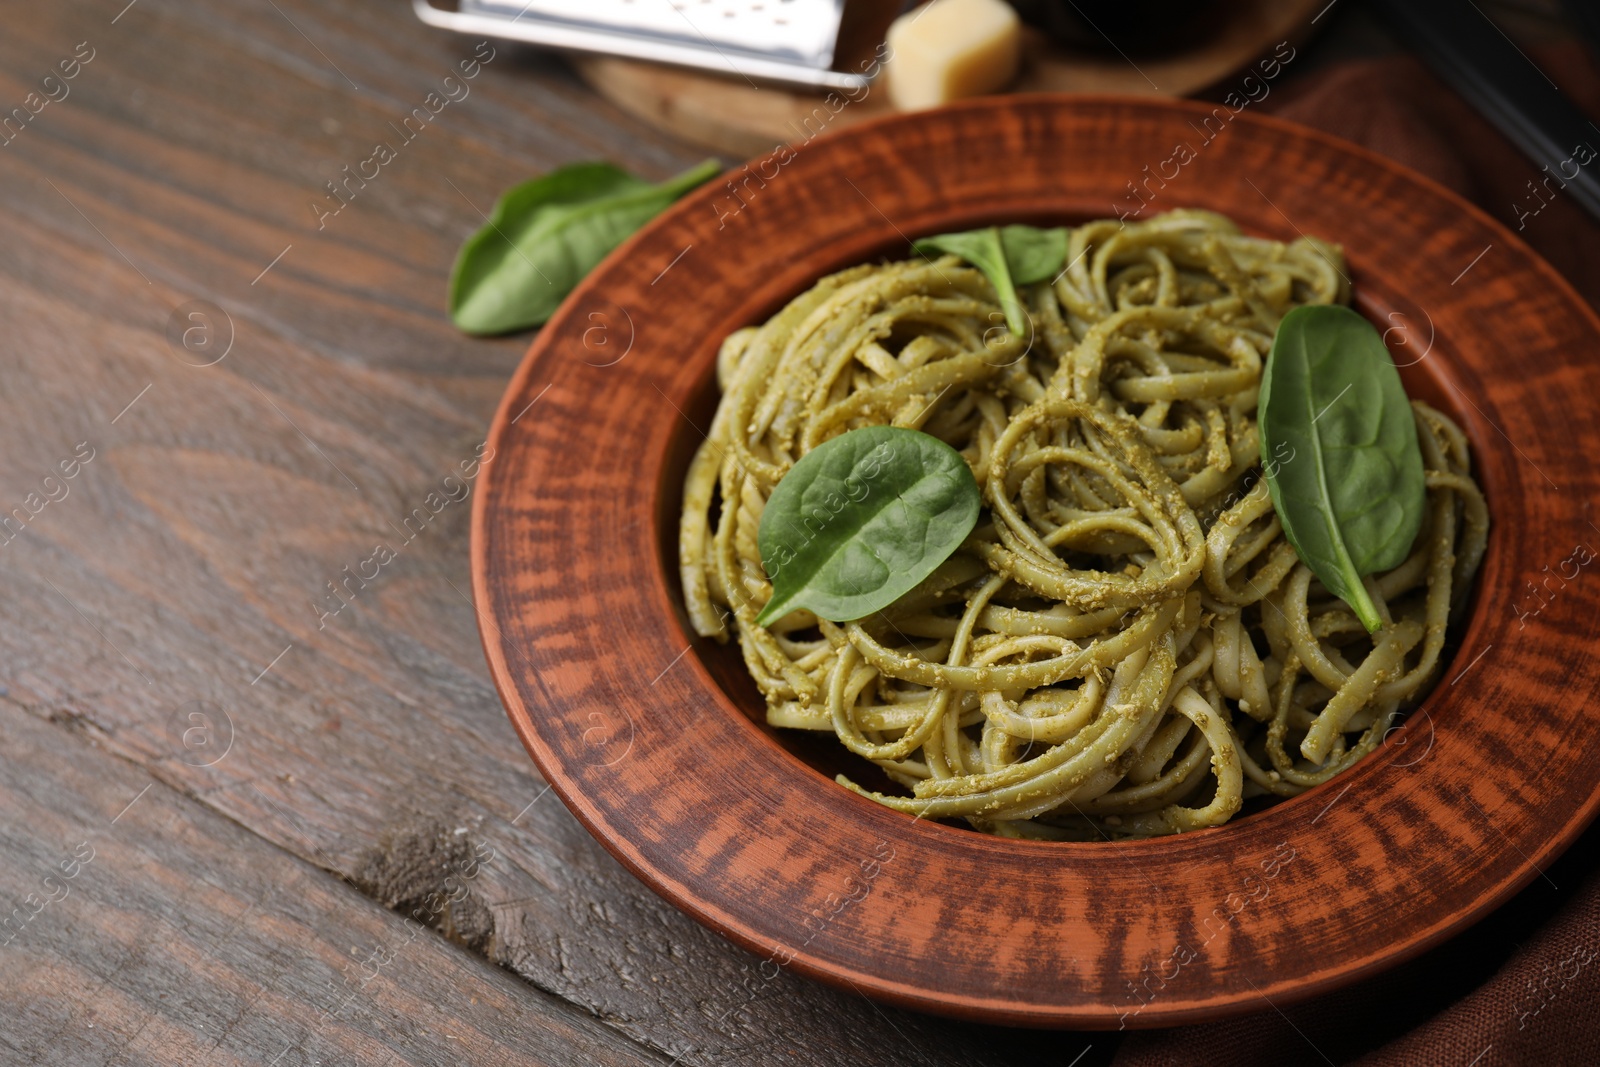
[(656, 741)]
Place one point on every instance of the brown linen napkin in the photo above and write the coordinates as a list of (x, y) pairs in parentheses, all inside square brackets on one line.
[(1523, 986)]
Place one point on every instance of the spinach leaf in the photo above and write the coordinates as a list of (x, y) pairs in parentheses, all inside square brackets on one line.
[(1032, 254), (546, 234), (1350, 494), (982, 248), (1008, 257), (861, 519)]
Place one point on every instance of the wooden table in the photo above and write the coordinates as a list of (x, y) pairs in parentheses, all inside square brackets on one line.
[(230, 796)]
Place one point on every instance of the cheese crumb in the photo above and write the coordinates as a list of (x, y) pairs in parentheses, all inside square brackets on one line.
[(950, 49)]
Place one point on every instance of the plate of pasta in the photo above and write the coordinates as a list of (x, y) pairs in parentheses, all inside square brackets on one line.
[(1016, 576)]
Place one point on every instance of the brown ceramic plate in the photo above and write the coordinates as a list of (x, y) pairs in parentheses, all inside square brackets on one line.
[(656, 741)]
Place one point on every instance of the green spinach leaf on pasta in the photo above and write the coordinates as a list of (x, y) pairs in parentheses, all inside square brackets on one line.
[(861, 519), (982, 248), (1350, 491), (546, 234), (1034, 255), (1008, 256)]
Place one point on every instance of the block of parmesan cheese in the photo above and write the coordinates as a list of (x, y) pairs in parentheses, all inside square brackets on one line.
[(949, 49)]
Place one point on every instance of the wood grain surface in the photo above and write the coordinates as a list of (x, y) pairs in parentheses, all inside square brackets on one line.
[(184, 570), (574, 562), (154, 930)]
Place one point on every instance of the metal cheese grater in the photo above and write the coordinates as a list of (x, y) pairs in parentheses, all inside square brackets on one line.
[(791, 41)]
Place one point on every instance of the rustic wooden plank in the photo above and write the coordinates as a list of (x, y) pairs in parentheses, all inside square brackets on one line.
[(189, 559), (143, 927)]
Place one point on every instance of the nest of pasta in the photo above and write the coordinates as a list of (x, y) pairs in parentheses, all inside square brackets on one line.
[(1127, 644)]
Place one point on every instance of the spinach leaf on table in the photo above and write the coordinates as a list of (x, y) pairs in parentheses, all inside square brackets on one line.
[(546, 234)]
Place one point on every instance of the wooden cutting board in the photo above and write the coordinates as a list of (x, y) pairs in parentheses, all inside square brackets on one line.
[(737, 117)]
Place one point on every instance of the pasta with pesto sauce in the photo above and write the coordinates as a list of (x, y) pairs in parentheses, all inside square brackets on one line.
[(1127, 644)]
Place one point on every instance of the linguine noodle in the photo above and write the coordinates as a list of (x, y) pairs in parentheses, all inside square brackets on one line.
[(1126, 645)]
